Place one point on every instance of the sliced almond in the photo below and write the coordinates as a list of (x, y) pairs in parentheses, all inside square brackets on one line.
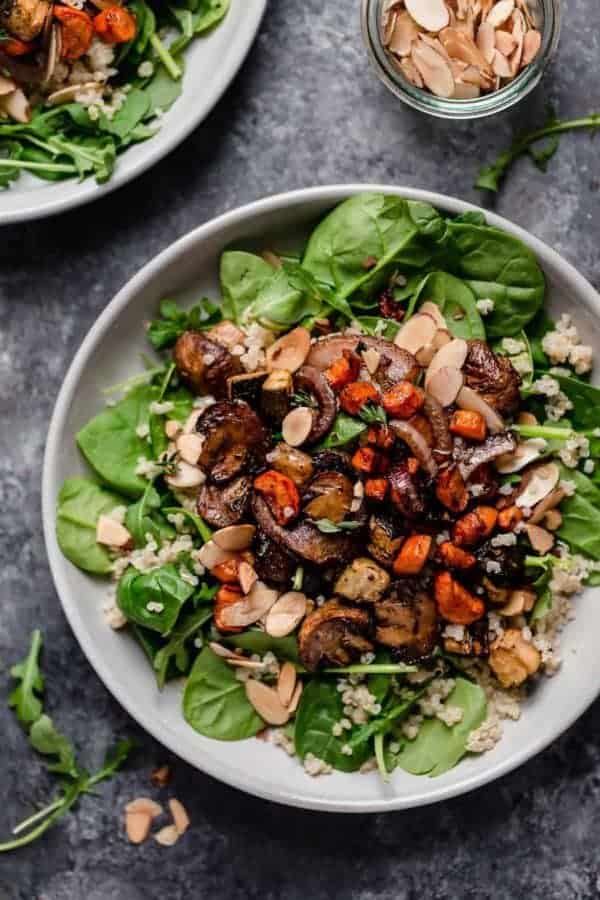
[(426, 354), (297, 426), (526, 452), (436, 45), (16, 105), (7, 86), (453, 355), (541, 482), (235, 537), (486, 40), (226, 333), (167, 836), (429, 308), (531, 46), (286, 683), (505, 42), (172, 429), (432, 15), (434, 70), (293, 704), (144, 805), (500, 65), (471, 75), (242, 662), (223, 652), (410, 72), (518, 31), (547, 505), (519, 602), (189, 447), (181, 820), (500, 13), (527, 418), (68, 94), (465, 91), (404, 33), (250, 608), (445, 385), (247, 577), (553, 520), (442, 337), (111, 533), (371, 359), (186, 476), (416, 333), (460, 46), (192, 420), (137, 826), (286, 614), (471, 400), (266, 702), (290, 351), (541, 540), (212, 555)]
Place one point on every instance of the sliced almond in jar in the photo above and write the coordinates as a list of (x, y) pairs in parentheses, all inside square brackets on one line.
[(445, 385), (436, 45), (417, 333), (486, 40), (500, 65), (186, 476), (453, 355), (410, 72), (189, 447), (541, 482), (297, 426), (500, 13), (404, 33), (286, 683), (247, 577), (460, 46), (111, 533), (541, 540), (251, 608), (293, 704), (434, 70), (432, 15), (266, 702), (388, 24), (286, 614), (531, 46), (465, 91), (505, 42), (234, 537), (290, 351)]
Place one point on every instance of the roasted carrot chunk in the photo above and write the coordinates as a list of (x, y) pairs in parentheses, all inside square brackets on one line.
[(508, 518), (380, 436), (475, 526), (454, 602), (115, 25), (376, 488), (227, 572), (412, 464), (451, 491), (454, 557), (14, 47), (281, 494), (343, 370), (76, 31), (370, 461), (403, 400), (226, 595), (413, 555), (356, 395), (468, 424)]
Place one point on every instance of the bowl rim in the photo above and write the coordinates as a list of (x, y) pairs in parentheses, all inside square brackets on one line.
[(160, 145), (329, 195)]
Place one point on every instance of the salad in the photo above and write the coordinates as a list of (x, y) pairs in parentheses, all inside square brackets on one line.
[(351, 503), (81, 81)]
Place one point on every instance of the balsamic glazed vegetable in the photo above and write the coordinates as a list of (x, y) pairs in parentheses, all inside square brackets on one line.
[(353, 501)]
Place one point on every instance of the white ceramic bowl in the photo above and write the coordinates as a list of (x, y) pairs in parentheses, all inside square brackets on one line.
[(109, 354), (211, 63)]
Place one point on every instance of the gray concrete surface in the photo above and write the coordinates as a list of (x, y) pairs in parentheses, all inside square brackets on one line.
[(305, 109)]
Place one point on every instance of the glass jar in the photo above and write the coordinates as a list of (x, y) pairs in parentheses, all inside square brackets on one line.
[(546, 12)]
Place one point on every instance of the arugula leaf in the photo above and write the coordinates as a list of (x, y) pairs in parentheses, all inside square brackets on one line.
[(44, 738), (23, 699), (373, 413), (215, 702), (163, 589), (197, 521), (173, 321), (176, 650)]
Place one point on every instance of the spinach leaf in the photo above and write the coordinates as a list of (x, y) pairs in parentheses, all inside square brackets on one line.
[(161, 92), (580, 527), (344, 430), (144, 517), (456, 301), (471, 217), (498, 266), (111, 444), (176, 652), (80, 504), (260, 642), (44, 738), (215, 702), (585, 399), (173, 321), (163, 589), (541, 585), (130, 114), (196, 18), (438, 748), (23, 699), (536, 329), (320, 708)]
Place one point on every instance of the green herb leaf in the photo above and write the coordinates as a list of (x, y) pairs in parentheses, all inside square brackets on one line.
[(173, 321), (373, 414), (329, 527), (44, 738), (23, 699), (344, 430), (176, 652)]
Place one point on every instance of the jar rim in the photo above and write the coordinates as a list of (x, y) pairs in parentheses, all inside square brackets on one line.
[(479, 107)]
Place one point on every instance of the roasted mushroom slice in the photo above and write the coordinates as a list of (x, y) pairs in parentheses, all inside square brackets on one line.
[(225, 505), (333, 461), (407, 492), (291, 462), (385, 540), (272, 562), (328, 496), (470, 458), (503, 566), (406, 621), (246, 387), (312, 382), (493, 377), (235, 440), (363, 581), (395, 363), (23, 18), (334, 635), (203, 364)]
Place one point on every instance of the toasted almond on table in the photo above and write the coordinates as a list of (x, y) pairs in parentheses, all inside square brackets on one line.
[(432, 15), (137, 826), (234, 538), (445, 385), (290, 351), (286, 683), (419, 331), (297, 426), (144, 805), (434, 70), (266, 702), (286, 614), (167, 836), (181, 820), (111, 533), (161, 776)]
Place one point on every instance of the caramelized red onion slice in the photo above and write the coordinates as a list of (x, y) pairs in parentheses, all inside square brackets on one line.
[(469, 399), (417, 443), (312, 381)]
